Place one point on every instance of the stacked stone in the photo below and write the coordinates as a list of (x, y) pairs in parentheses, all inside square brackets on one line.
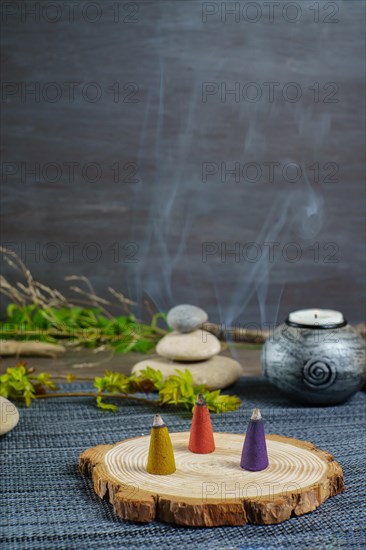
[(190, 347)]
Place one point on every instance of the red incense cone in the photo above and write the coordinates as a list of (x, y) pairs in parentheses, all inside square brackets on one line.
[(254, 456), (201, 439)]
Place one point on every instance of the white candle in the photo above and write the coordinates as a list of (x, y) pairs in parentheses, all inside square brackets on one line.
[(310, 317)]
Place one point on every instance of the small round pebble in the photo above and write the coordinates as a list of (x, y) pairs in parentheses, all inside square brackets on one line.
[(9, 416), (186, 318)]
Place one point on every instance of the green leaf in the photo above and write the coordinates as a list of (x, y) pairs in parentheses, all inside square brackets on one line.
[(144, 346), (156, 317), (113, 382), (106, 406), (44, 379), (16, 384), (153, 375)]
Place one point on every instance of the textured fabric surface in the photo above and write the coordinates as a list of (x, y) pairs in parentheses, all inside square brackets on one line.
[(46, 503)]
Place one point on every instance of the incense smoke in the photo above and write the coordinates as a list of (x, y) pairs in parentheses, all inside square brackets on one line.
[(181, 213)]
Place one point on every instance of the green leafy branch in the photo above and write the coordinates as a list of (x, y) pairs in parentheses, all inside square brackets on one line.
[(21, 383), (89, 327), (39, 312)]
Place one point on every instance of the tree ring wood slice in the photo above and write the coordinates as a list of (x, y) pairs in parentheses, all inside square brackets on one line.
[(211, 490)]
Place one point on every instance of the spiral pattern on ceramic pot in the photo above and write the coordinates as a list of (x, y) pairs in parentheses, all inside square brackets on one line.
[(319, 374)]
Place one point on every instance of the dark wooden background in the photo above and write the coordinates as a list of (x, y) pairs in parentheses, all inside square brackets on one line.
[(142, 230)]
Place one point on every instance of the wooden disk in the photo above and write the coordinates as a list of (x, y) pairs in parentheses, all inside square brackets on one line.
[(210, 490)]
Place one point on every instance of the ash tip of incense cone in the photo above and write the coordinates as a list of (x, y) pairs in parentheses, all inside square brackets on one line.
[(256, 415), (158, 421), (200, 400)]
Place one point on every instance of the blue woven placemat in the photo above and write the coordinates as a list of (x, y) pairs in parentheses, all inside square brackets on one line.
[(47, 504)]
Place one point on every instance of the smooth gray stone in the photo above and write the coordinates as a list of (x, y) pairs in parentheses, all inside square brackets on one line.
[(9, 415), (198, 345), (185, 318), (320, 367), (216, 373)]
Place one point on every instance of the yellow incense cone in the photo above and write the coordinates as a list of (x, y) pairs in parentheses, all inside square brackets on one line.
[(161, 455)]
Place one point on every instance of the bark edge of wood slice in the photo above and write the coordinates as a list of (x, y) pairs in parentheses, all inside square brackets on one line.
[(308, 476)]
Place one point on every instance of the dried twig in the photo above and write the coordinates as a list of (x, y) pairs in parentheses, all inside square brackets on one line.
[(236, 334), (34, 292)]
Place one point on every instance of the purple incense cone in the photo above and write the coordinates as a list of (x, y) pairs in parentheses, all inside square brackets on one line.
[(254, 456)]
